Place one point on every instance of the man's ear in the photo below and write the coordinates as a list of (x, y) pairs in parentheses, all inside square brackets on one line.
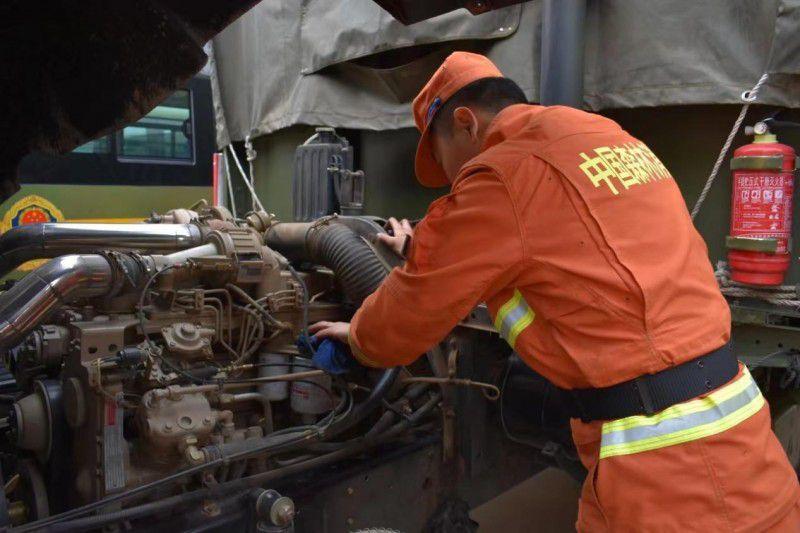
[(465, 119)]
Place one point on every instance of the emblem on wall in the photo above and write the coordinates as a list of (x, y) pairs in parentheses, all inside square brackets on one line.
[(31, 209)]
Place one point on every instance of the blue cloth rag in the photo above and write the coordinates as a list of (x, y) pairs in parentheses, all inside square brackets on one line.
[(329, 355)]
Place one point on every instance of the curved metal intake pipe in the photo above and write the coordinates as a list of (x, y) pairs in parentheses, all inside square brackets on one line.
[(66, 278), (39, 241), (69, 277)]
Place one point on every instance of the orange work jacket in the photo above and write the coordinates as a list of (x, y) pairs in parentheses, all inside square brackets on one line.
[(577, 238)]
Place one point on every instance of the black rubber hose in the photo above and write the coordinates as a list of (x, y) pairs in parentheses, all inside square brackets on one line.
[(362, 410), (354, 262), (241, 448), (398, 428), (102, 520), (385, 420)]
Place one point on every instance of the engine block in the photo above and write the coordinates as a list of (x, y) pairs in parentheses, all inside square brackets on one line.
[(133, 362)]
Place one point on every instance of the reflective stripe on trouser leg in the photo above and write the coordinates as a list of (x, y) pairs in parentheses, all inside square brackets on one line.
[(514, 316), (684, 422)]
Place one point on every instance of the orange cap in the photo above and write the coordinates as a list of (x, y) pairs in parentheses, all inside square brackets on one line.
[(458, 70)]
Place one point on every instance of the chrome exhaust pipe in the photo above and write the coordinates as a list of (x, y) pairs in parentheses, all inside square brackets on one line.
[(40, 241), (29, 302)]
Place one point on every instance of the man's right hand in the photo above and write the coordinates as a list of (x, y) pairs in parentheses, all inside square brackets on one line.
[(403, 233)]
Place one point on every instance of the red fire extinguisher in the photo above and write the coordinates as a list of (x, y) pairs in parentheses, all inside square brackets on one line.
[(761, 209)]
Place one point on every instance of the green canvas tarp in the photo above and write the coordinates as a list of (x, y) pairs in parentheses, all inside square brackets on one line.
[(350, 64)]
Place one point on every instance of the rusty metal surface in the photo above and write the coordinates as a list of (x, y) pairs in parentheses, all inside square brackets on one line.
[(398, 493), (73, 71)]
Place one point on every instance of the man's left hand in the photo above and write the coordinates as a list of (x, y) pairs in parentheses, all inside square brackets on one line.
[(338, 331)]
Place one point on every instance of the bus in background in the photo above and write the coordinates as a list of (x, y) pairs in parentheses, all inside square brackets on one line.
[(158, 163)]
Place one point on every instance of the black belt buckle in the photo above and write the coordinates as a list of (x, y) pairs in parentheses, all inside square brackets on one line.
[(642, 388)]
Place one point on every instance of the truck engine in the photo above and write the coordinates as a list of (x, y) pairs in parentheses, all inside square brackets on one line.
[(157, 363)]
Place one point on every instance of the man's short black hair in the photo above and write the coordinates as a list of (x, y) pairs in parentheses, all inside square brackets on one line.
[(489, 94)]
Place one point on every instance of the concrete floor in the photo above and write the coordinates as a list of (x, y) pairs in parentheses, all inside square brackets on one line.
[(545, 503)]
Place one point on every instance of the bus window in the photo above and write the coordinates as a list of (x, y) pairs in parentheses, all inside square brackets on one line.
[(164, 134), (97, 146), (170, 146)]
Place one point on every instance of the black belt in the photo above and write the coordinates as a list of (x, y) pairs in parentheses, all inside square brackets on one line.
[(652, 393)]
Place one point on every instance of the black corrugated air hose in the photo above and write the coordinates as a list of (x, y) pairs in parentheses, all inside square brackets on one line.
[(354, 262), (360, 272)]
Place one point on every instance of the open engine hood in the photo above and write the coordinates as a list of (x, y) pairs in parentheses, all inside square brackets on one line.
[(411, 11), (73, 71)]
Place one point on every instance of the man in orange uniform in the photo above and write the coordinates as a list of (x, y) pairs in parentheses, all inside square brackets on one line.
[(577, 238)]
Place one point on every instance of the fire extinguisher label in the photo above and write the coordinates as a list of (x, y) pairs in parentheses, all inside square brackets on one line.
[(762, 207)]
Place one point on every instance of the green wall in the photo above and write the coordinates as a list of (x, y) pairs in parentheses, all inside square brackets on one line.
[(386, 157), (110, 202), (273, 168)]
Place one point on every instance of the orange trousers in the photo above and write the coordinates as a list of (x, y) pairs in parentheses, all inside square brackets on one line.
[(738, 480)]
